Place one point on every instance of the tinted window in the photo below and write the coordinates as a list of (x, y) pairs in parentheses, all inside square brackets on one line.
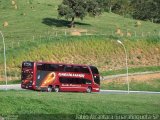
[(94, 70), (27, 65), (74, 80), (97, 79), (84, 70), (50, 67), (69, 69), (77, 68), (80, 69), (61, 67), (27, 76)]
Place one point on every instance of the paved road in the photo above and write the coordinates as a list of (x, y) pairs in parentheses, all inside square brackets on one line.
[(130, 74), (9, 87), (126, 92), (18, 87)]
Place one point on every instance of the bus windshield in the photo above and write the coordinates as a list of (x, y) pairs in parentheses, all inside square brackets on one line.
[(27, 70), (95, 74)]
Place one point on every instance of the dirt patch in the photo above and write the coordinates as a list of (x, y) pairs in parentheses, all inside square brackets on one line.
[(75, 33), (137, 78), (9, 78), (1, 79)]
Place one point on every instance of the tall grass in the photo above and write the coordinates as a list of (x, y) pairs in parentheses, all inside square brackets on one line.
[(132, 70), (101, 51)]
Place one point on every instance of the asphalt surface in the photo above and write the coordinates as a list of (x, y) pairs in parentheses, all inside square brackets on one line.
[(11, 87), (126, 92), (18, 87), (130, 74)]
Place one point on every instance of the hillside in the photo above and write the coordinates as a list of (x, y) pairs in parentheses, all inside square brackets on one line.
[(35, 33), (39, 18)]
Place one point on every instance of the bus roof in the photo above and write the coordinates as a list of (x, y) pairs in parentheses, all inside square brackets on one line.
[(42, 62)]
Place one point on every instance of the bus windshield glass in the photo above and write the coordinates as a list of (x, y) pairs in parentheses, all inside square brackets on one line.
[(27, 70), (95, 74)]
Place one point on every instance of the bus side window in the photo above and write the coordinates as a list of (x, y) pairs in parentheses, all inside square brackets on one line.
[(69, 69), (61, 68), (86, 81), (85, 70), (94, 70), (63, 80), (41, 67), (76, 69), (53, 67)]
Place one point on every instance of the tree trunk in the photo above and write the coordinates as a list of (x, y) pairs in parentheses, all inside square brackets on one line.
[(72, 23), (110, 9)]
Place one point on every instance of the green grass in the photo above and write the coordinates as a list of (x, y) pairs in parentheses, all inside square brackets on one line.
[(29, 104), (132, 70), (31, 35), (10, 82), (149, 85), (40, 18), (103, 52)]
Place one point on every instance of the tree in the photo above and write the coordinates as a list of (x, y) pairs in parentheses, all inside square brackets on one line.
[(71, 9), (123, 7), (146, 10), (110, 4)]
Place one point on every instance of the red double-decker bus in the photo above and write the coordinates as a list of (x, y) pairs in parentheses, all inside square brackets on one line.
[(60, 77)]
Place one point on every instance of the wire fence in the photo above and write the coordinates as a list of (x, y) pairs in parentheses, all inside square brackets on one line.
[(13, 40)]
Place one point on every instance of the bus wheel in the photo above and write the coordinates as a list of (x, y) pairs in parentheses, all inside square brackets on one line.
[(49, 89), (89, 90), (56, 89)]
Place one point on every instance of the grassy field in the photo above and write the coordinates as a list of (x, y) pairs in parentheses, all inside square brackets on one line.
[(34, 33), (40, 18), (103, 52), (30, 104), (132, 70), (149, 85), (10, 82)]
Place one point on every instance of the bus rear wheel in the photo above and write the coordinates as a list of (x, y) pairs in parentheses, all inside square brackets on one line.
[(49, 89), (89, 90), (56, 89)]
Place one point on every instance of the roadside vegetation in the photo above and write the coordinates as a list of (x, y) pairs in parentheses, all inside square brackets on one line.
[(33, 32), (10, 82), (135, 85), (37, 19), (103, 52), (33, 104), (132, 70)]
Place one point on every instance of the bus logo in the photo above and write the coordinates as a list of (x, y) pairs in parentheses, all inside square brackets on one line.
[(71, 75)]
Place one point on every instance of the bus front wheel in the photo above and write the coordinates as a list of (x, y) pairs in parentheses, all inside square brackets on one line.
[(89, 90), (56, 89)]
